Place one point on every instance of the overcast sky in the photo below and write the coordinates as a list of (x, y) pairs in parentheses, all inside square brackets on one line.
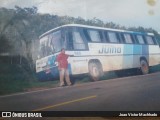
[(130, 13)]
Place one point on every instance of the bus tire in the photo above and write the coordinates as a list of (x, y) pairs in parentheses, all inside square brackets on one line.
[(95, 71), (144, 66)]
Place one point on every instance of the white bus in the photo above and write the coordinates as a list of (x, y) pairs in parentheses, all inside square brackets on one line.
[(96, 50)]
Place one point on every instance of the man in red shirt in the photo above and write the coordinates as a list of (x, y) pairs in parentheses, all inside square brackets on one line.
[(63, 67)]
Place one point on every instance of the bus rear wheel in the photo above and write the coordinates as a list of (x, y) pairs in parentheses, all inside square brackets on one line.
[(95, 71), (144, 67)]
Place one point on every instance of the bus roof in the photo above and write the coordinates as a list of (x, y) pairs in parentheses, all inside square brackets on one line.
[(93, 27)]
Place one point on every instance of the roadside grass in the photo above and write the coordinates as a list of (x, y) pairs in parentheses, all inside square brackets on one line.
[(109, 75), (10, 84), (155, 68), (19, 78)]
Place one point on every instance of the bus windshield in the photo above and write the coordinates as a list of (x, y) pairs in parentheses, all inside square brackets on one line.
[(50, 44)]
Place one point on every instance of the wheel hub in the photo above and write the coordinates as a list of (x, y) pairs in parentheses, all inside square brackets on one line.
[(95, 72)]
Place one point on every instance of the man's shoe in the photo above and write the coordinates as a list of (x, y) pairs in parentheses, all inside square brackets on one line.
[(70, 84), (61, 85)]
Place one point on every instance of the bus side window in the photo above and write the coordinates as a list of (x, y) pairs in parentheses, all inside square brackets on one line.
[(78, 42), (127, 38), (156, 41), (94, 35), (140, 39), (113, 37), (149, 40)]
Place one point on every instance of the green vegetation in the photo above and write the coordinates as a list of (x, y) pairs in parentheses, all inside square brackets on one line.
[(18, 78), (154, 68)]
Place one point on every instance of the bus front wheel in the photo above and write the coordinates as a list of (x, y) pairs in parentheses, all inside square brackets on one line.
[(95, 70), (144, 67)]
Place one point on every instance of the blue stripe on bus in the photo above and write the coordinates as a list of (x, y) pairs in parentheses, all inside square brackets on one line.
[(51, 61), (130, 50), (53, 73), (137, 49), (145, 50), (69, 69)]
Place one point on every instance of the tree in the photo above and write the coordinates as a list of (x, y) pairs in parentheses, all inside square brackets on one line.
[(25, 25), (5, 45)]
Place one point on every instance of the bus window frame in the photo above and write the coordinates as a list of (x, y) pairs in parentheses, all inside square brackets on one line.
[(118, 34), (70, 31), (135, 35), (100, 32), (87, 37), (153, 38), (106, 36), (63, 38), (135, 39), (67, 36), (156, 41), (40, 48), (108, 39), (132, 38), (103, 35)]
